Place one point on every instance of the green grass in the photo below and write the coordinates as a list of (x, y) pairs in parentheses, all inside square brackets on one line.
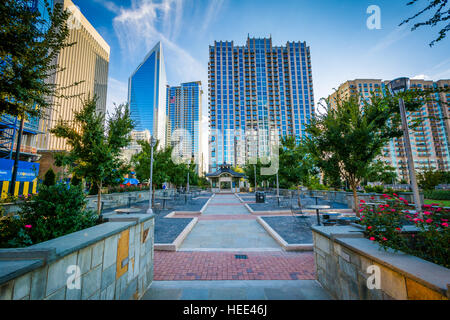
[(444, 203)]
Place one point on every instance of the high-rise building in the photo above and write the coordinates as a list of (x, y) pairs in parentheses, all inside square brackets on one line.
[(429, 142), (135, 147), (147, 95), (184, 113), (86, 61), (255, 90)]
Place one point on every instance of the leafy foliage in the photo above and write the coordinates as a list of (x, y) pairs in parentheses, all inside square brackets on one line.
[(437, 194), (351, 136), (429, 179), (384, 225), (56, 211), (441, 14), (28, 48), (49, 178), (379, 171), (96, 155)]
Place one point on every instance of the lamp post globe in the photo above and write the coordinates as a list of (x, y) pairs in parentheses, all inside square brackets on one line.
[(399, 85)]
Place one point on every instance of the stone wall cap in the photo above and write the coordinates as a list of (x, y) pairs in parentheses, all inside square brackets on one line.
[(429, 274), (14, 268), (338, 231)]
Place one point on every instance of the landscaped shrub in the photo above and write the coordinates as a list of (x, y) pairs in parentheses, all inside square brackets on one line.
[(437, 194), (376, 189), (54, 212), (49, 178), (384, 225), (75, 181)]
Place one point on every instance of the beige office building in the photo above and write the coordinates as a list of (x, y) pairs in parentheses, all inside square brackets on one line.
[(86, 61), (429, 142)]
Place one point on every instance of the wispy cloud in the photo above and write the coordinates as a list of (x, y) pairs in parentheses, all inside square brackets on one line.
[(211, 13), (394, 36)]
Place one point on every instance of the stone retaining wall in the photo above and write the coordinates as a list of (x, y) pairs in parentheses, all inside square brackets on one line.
[(114, 260), (343, 256)]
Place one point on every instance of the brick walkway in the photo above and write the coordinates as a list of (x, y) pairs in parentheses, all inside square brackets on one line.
[(186, 265)]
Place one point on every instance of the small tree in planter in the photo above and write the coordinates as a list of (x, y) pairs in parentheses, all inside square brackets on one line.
[(96, 148), (54, 212)]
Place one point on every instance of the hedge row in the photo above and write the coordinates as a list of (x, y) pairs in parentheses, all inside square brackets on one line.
[(437, 194)]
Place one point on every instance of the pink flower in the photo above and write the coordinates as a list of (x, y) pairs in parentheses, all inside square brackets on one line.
[(392, 210), (427, 213), (28, 226), (429, 220), (427, 206), (362, 201), (398, 229), (396, 195), (445, 224), (445, 220), (384, 239), (361, 210), (372, 239), (369, 227)]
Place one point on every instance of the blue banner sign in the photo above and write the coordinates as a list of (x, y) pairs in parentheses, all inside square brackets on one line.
[(28, 171)]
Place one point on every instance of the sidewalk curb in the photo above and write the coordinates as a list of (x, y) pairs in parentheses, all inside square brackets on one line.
[(281, 241), (179, 240)]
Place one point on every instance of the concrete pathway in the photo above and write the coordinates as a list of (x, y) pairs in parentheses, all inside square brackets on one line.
[(227, 245), (236, 290), (229, 234)]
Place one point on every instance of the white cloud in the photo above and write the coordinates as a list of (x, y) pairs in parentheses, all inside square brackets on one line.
[(421, 77), (211, 13)]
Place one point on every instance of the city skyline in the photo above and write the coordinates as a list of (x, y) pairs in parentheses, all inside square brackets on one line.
[(342, 47)]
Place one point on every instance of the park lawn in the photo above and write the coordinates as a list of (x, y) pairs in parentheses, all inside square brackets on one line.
[(444, 203)]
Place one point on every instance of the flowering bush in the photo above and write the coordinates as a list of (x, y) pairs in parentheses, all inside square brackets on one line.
[(384, 224), (54, 212)]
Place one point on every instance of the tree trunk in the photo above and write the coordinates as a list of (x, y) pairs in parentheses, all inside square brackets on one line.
[(355, 201), (99, 198)]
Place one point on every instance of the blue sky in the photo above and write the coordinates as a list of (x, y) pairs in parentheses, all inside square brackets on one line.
[(342, 47)]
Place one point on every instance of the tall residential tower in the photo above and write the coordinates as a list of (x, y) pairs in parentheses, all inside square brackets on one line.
[(184, 113), (255, 90)]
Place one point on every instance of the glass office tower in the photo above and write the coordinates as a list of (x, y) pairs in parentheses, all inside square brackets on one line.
[(255, 91), (184, 111), (147, 95)]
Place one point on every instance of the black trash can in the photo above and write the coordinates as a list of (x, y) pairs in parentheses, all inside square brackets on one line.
[(260, 197)]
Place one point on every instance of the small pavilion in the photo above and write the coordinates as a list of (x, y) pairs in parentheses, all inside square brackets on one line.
[(225, 179)]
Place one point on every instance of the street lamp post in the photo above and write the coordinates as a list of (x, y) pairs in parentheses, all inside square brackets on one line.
[(254, 166), (397, 86), (189, 167), (152, 144)]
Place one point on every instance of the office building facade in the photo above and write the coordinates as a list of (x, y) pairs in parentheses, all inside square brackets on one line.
[(87, 62), (429, 142), (147, 90), (257, 93), (184, 113)]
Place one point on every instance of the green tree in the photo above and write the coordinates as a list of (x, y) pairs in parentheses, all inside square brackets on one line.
[(441, 14), (29, 46), (49, 178), (296, 166), (96, 148), (380, 171), (428, 179), (350, 136)]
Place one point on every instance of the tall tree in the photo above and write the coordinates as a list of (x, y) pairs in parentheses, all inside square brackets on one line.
[(29, 46), (351, 136), (380, 171), (441, 13), (96, 148)]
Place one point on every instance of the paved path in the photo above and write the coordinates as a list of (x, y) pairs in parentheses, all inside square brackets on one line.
[(243, 265), (228, 244), (236, 290)]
